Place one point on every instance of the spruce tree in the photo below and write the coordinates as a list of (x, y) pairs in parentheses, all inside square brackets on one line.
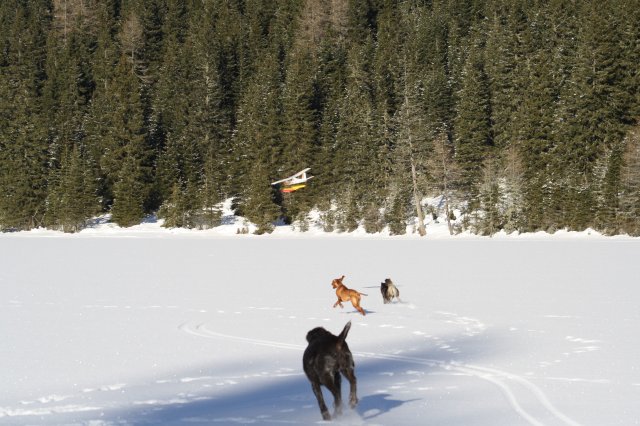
[(472, 125), (412, 140), (357, 142), (443, 174), (257, 140), (299, 124), (505, 56), (117, 133), (332, 70), (594, 114), (179, 157), (72, 199), (629, 197), (66, 95), (491, 199), (398, 210), (535, 142), (23, 143), (129, 192)]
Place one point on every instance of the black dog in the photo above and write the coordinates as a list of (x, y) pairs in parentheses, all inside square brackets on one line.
[(389, 291), (324, 359)]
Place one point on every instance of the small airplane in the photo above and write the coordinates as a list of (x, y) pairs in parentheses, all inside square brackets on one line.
[(294, 182)]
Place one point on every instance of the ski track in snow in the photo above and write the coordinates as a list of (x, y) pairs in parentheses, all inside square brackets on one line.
[(525, 398), (511, 385)]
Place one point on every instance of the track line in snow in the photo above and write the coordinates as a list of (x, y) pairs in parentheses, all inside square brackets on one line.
[(540, 395), (508, 393), (498, 378)]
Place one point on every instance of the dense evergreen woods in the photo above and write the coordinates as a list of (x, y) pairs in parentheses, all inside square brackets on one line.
[(522, 113)]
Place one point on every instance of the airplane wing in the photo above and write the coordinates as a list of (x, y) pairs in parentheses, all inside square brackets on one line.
[(280, 181), (299, 177)]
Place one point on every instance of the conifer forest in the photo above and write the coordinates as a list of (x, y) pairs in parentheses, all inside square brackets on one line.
[(522, 114)]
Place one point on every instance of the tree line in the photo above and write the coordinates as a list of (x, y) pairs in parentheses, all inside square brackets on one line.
[(522, 114)]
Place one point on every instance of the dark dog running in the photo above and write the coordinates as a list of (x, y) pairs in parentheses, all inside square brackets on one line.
[(324, 359), (389, 291)]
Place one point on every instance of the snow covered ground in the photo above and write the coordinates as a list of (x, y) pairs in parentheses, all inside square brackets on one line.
[(152, 326)]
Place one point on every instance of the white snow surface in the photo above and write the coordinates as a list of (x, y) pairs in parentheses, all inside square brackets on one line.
[(146, 325)]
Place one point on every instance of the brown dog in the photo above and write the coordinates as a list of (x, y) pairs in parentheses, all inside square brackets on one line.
[(345, 295)]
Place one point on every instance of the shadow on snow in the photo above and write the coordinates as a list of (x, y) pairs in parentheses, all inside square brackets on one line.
[(289, 400)]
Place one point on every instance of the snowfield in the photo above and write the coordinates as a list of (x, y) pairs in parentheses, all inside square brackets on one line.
[(152, 326)]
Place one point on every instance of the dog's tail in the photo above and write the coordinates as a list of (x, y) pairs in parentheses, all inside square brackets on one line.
[(343, 335)]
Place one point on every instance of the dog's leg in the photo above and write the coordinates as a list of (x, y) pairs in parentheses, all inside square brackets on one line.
[(355, 301), (323, 407), (339, 302), (351, 377), (335, 387)]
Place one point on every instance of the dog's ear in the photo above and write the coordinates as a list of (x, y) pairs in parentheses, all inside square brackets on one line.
[(341, 278)]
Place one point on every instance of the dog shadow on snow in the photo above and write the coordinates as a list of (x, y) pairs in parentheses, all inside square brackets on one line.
[(289, 399), (347, 311), (372, 406)]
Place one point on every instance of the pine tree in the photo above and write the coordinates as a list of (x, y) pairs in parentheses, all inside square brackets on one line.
[(429, 29), (23, 144), (180, 154), (628, 214), (257, 140), (152, 35), (72, 196), (260, 200), (491, 199), (331, 80), (361, 20), (505, 55), (67, 92), (412, 140), (398, 210), (174, 210), (357, 139), (513, 192), (299, 136), (117, 133), (213, 102), (129, 192), (444, 173), (594, 113), (533, 131), (472, 125), (629, 15)]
